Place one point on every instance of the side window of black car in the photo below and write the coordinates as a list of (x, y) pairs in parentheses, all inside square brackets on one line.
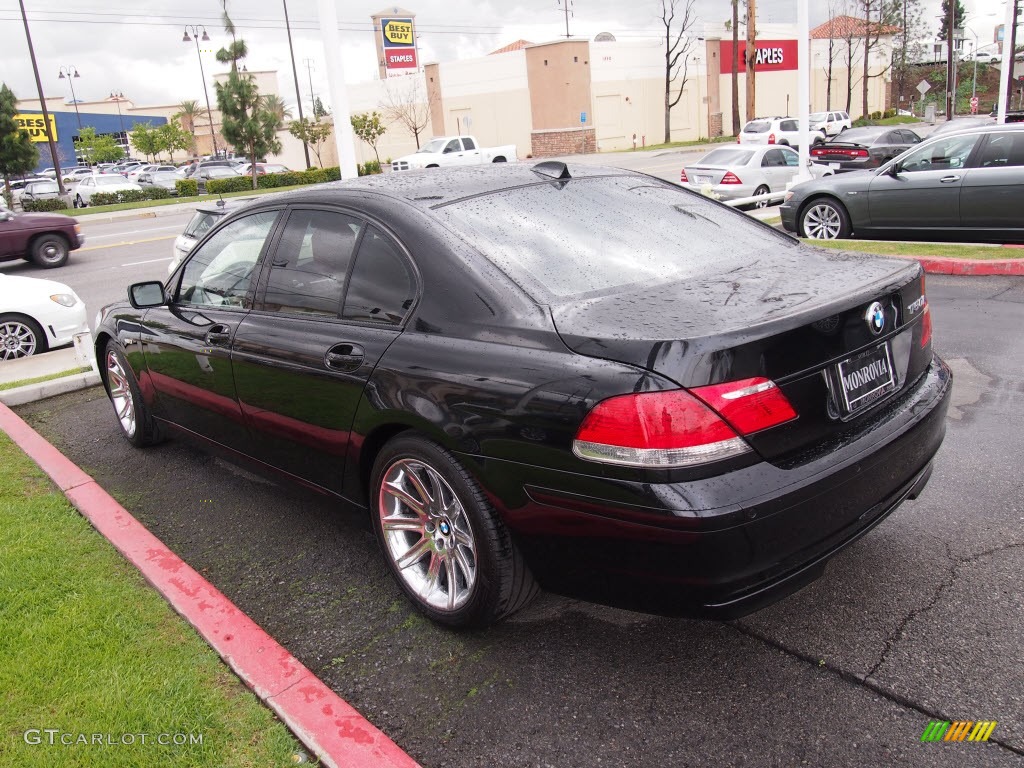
[(307, 275), (382, 287), (219, 272)]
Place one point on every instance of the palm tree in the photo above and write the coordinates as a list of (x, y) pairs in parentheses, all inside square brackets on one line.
[(187, 113), (276, 106)]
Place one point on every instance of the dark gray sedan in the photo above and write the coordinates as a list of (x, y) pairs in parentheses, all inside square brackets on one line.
[(858, 148), (965, 185)]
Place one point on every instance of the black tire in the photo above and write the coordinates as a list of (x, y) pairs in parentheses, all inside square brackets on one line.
[(498, 159), (123, 388), (433, 165), (824, 218), (762, 190), (20, 336), (783, 143), (501, 582), (50, 251)]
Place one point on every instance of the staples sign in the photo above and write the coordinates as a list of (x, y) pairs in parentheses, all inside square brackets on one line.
[(400, 58), (769, 56)]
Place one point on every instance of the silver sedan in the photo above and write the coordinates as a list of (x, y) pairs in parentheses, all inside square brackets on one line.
[(737, 171)]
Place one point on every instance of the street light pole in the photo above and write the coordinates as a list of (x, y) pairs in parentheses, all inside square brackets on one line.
[(295, 75), (117, 97), (205, 38), (71, 72)]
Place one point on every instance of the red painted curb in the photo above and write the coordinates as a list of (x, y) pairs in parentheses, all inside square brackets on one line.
[(937, 265), (328, 725)]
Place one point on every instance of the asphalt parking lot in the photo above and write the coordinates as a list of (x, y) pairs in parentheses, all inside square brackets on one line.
[(922, 619)]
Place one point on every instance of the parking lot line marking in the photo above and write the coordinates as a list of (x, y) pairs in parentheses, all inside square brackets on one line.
[(132, 232), (127, 242), (327, 724), (150, 261)]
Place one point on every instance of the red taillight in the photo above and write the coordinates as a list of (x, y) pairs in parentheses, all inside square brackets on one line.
[(682, 177), (858, 153), (656, 429), (926, 326), (771, 138), (730, 178), (817, 152), (679, 428), (749, 405)]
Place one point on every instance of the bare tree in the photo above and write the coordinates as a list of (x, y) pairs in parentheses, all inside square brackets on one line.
[(734, 67), (851, 42), (404, 102), (833, 52), (879, 16), (677, 49)]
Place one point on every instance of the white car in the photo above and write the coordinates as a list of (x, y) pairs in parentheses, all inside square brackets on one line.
[(733, 172), (72, 175), (776, 130), (90, 185), (830, 123), (454, 150), (134, 173), (37, 315)]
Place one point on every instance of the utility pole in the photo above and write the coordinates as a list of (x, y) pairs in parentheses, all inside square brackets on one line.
[(309, 71), (42, 103), (566, 6), (734, 67), (751, 56), (1013, 52), (950, 85), (295, 75)]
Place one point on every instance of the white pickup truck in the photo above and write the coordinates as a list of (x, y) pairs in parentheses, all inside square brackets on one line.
[(454, 150)]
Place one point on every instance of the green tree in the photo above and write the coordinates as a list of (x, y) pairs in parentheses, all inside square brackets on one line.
[(276, 105), (958, 17), (187, 113), (172, 137), (145, 140), (18, 154), (246, 122), (369, 128), (318, 108), (102, 148), (313, 133)]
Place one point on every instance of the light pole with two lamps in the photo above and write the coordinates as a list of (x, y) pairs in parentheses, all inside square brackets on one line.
[(205, 38), (71, 72), (117, 97)]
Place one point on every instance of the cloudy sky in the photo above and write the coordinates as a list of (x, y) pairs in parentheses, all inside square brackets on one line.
[(135, 46)]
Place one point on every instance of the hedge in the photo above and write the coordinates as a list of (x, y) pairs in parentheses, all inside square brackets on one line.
[(46, 204), (230, 184), (187, 187)]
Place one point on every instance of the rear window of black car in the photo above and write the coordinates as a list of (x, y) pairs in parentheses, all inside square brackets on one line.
[(859, 135), (602, 235)]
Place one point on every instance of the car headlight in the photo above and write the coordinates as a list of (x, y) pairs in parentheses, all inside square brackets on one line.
[(64, 299)]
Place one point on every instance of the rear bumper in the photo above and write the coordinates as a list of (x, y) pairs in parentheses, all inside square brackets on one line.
[(729, 545)]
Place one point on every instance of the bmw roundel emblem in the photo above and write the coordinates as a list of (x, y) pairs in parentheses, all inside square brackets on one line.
[(875, 318)]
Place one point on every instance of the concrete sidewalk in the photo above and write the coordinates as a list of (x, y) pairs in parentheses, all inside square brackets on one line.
[(47, 364)]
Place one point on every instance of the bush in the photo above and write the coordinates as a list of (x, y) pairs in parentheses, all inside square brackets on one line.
[(230, 184), (313, 176), (187, 187), (333, 174), (41, 206), (369, 168), (283, 179), (104, 198), (156, 193), (889, 113), (131, 196)]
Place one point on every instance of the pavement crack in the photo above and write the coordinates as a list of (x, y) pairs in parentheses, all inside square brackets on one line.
[(959, 563)]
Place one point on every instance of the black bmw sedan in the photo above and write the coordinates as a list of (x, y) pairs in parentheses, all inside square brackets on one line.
[(577, 378)]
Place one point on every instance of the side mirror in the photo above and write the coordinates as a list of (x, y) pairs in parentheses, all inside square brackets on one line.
[(894, 169), (147, 295)]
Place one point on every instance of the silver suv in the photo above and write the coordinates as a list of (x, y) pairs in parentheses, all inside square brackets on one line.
[(830, 123)]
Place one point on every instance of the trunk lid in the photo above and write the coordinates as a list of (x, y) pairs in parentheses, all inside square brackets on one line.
[(792, 317), (705, 174)]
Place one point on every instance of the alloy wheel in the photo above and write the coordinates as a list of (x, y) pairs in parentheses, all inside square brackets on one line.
[(822, 222), (121, 394), (427, 534), (17, 340)]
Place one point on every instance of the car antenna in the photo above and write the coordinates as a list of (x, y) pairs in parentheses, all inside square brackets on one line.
[(554, 169)]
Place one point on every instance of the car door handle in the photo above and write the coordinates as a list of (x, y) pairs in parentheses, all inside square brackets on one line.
[(344, 357), (218, 334), (949, 179)]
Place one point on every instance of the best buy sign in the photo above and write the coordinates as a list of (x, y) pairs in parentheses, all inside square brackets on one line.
[(35, 126), (396, 32)]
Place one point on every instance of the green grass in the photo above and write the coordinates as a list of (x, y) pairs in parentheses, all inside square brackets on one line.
[(89, 648), (79, 212), (39, 379), (674, 144), (980, 252), (898, 120)]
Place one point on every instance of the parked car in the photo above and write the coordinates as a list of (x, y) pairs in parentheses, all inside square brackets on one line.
[(39, 190), (44, 238), (867, 147), (959, 185), (18, 187), (830, 123), (262, 168), (134, 173), (447, 151), (734, 172), (961, 124), (37, 315), (205, 174), (204, 219), (642, 397), (74, 175), (90, 185), (166, 179), (776, 130), (196, 166)]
